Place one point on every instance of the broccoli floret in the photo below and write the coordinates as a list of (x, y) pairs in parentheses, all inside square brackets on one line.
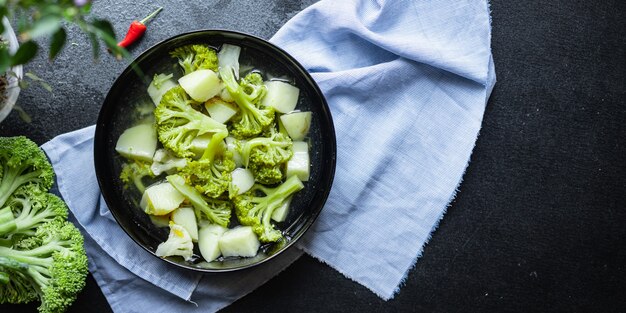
[(164, 161), (22, 162), (195, 57), (134, 173), (54, 263), (30, 208), (267, 174), (253, 209), (215, 211), (211, 174), (251, 119), (178, 123), (272, 150), (178, 243), (266, 156)]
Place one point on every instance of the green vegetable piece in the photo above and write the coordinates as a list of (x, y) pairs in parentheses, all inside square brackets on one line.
[(134, 173), (195, 57), (215, 211), (251, 119), (211, 174), (256, 210), (178, 123)]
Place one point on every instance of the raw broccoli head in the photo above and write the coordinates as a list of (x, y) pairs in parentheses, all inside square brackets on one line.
[(255, 207), (31, 208), (53, 261), (211, 174), (22, 162), (134, 173), (251, 118), (178, 123), (195, 57), (15, 286)]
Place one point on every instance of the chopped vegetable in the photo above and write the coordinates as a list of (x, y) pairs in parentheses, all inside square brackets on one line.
[(280, 214), (208, 241), (296, 124), (239, 241), (195, 57), (256, 210), (242, 181), (281, 96), (160, 84), (201, 85), (220, 110), (215, 211), (300, 164), (134, 173), (185, 217), (138, 143), (161, 199), (178, 243), (178, 123)]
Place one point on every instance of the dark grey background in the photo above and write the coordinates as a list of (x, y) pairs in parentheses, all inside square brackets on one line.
[(539, 223)]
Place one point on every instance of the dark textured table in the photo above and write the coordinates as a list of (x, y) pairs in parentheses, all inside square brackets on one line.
[(539, 223)]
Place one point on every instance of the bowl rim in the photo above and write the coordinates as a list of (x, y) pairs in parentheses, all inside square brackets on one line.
[(100, 136)]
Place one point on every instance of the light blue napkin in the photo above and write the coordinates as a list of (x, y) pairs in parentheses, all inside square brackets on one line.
[(407, 83)]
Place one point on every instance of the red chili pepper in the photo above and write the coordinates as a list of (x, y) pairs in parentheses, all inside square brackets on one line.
[(137, 29)]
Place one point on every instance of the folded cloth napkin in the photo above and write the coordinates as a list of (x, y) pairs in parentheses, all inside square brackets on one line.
[(407, 83)]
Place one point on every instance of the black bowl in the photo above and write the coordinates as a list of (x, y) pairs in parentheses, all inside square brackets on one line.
[(118, 112)]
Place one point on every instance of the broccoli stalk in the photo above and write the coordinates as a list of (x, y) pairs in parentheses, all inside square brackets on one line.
[(53, 263), (256, 211), (22, 162), (211, 174), (7, 220), (215, 211), (15, 286), (195, 57), (178, 123), (29, 208), (251, 120)]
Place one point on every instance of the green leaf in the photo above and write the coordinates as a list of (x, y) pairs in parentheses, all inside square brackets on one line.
[(45, 26), (32, 76), (45, 86), (57, 42), (25, 53), (104, 27), (95, 45), (23, 115)]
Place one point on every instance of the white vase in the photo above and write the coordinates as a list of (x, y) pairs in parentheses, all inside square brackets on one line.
[(13, 89)]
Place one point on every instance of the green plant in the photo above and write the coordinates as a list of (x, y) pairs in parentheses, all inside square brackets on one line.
[(36, 19)]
